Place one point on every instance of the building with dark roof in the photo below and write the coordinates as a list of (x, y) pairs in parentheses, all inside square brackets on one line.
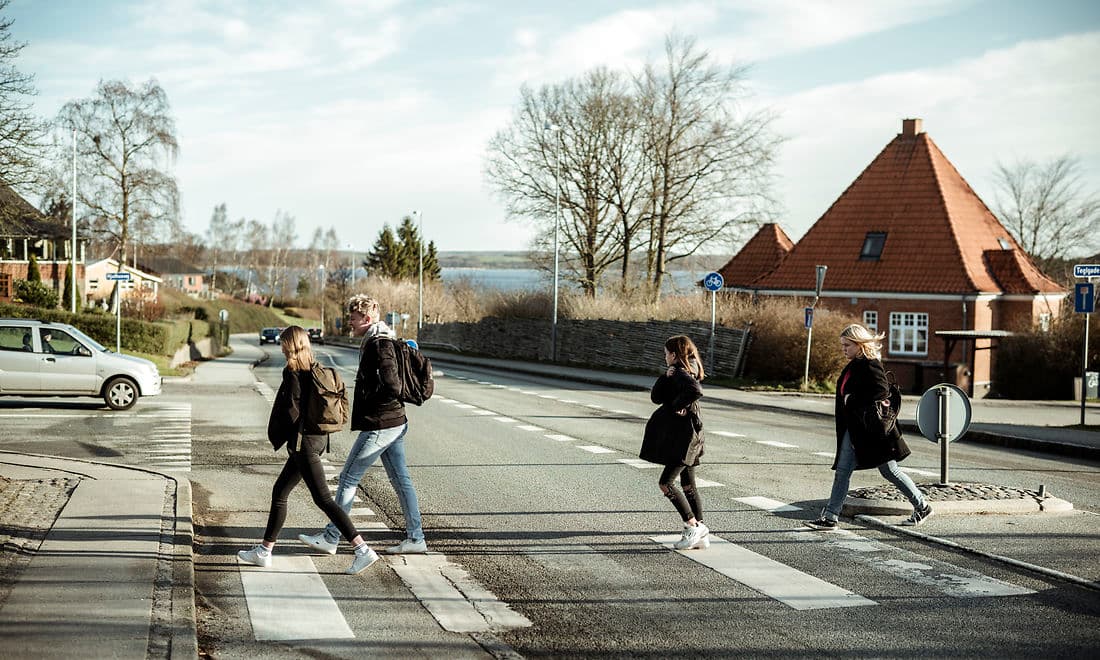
[(25, 231)]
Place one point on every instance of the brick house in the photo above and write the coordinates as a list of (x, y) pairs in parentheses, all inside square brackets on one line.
[(178, 274), (25, 231), (911, 250)]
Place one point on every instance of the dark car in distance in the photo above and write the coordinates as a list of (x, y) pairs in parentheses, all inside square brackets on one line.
[(316, 335), (269, 335)]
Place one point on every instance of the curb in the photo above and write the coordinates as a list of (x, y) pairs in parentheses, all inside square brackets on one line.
[(856, 506), (185, 642)]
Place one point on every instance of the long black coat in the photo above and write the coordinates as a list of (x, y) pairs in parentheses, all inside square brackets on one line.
[(672, 439), (866, 385)]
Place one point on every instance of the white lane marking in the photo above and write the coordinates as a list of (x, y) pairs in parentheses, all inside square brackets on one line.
[(594, 406), (506, 420), (291, 585), (789, 586), (703, 483), (547, 396), (567, 401), (528, 392), (465, 406), (728, 434), (265, 390), (443, 399), (596, 449), (622, 412), (638, 463), (560, 438), (776, 443), (767, 504), (455, 599), (953, 581), (529, 427), (923, 473), (823, 453), (483, 412), (362, 511)]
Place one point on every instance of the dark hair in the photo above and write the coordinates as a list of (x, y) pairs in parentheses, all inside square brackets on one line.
[(687, 355)]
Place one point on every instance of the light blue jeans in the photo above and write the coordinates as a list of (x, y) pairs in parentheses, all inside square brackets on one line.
[(390, 445), (845, 465)]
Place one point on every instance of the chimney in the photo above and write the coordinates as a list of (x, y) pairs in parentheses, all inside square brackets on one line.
[(910, 127)]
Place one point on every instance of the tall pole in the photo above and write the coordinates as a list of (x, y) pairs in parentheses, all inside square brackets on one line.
[(323, 278), (557, 228), (1085, 369), (72, 265), (420, 290), (819, 282)]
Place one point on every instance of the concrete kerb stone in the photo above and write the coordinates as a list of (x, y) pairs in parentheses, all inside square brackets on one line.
[(854, 506)]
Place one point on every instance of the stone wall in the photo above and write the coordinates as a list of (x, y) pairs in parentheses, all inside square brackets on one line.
[(596, 343)]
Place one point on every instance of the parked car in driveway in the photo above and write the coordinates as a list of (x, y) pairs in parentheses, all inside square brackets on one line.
[(39, 358), (316, 336), (269, 335)]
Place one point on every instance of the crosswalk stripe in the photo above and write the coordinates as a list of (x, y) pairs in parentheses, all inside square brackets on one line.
[(560, 438), (596, 449), (823, 453), (529, 427), (506, 420), (923, 473), (363, 511), (638, 463), (776, 443), (273, 592), (953, 581), (704, 483), (767, 504), (728, 434), (788, 585)]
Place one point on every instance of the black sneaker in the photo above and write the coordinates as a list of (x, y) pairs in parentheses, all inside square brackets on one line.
[(918, 516), (823, 524)]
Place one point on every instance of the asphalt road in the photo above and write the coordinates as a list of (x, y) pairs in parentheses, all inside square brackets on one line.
[(529, 497)]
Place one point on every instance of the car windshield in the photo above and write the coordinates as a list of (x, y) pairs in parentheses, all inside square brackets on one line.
[(87, 340)]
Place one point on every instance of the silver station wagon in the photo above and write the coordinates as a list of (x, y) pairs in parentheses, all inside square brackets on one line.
[(39, 358)]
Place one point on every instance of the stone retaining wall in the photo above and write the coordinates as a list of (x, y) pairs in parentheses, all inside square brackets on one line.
[(591, 343)]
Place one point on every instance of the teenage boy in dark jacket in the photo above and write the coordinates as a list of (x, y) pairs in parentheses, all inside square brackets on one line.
[(379, 415)]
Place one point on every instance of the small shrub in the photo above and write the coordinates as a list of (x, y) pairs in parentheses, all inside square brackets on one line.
[(36, 294)]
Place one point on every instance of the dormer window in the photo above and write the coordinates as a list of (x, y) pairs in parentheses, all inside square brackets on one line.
[(1005, 245), (872, 246)]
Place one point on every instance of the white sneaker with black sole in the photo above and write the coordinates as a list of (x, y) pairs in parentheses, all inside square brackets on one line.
[(694, 537)]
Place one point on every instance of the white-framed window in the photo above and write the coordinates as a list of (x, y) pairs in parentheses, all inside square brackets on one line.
[(908, 333), (1044, 322), (870, 320), (93, 284)]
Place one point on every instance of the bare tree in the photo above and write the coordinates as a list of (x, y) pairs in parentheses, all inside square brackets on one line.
[(224, 236), (283, 236), (556, 151), (1048, 209), (257, 243), (126, 141), (710, 159), (22, 134)]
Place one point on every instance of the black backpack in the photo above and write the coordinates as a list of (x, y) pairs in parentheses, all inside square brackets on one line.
[(327, 400), (415, 371)]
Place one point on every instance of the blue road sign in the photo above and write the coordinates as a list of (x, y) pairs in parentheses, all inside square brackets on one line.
[(809, 317), (1086, 270), (1084, 298), (120, 277), (713, 281)]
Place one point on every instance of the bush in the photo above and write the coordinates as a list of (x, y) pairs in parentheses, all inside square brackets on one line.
[(1042, 365), (36, 294)]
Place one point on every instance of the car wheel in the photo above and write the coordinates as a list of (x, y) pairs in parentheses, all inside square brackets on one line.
[(120, 394)]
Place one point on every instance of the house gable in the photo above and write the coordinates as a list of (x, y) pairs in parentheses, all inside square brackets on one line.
[(761, 254)]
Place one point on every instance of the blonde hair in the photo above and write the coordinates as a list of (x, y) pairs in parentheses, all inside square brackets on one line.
[(687, 354), (870, 345), (363, 304), (297, 349)]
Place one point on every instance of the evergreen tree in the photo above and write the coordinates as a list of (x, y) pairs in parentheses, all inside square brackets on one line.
[(398, 257), (432, 270), (67, 293), (33, 275), (384, 257)]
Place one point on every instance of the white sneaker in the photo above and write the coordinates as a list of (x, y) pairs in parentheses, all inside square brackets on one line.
[(319, 542), (362, 561), (257, 556), (408, 547), (694, 537)]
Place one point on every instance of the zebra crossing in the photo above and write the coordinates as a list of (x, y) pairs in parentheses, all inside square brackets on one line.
[(774, 579)]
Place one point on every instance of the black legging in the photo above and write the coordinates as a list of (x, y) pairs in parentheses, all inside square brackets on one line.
[(305, 464), (687, 503)]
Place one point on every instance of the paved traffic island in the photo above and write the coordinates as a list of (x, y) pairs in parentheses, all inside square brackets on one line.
[(954, 498)]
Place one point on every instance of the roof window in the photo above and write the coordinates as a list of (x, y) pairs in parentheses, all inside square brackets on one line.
[(872, 246), (1005, 245)]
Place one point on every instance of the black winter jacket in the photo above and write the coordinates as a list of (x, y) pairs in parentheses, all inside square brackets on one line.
[(672, 439), (377, 388), (289, 415), (866, 385)]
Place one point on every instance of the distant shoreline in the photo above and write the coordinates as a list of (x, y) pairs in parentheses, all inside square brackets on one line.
[(521, 259)]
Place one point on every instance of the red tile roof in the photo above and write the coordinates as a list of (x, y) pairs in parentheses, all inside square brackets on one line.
[(764, 251), (938, 233)]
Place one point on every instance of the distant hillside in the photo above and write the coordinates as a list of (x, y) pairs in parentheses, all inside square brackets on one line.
[(521, 259)]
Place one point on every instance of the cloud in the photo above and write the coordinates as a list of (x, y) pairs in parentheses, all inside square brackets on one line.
[(1034, 99)]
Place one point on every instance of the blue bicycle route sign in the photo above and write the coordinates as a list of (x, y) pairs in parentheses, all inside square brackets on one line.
[(713, 281)]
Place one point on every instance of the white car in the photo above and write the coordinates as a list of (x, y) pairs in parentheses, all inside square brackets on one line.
[(39, 358)]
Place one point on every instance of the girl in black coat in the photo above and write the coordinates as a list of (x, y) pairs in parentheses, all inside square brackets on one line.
[(290, 424), (674, 436), (862, 386)]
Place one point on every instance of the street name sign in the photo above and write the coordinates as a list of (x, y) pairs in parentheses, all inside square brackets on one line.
[(1086, 270), (118, 277)]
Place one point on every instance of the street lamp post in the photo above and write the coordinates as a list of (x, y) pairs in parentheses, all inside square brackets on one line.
[(557, 228), (352, 248), (322, 269), (420, 268), (72, 264)]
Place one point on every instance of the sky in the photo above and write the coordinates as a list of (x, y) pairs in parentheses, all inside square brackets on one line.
[(354, 113)]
